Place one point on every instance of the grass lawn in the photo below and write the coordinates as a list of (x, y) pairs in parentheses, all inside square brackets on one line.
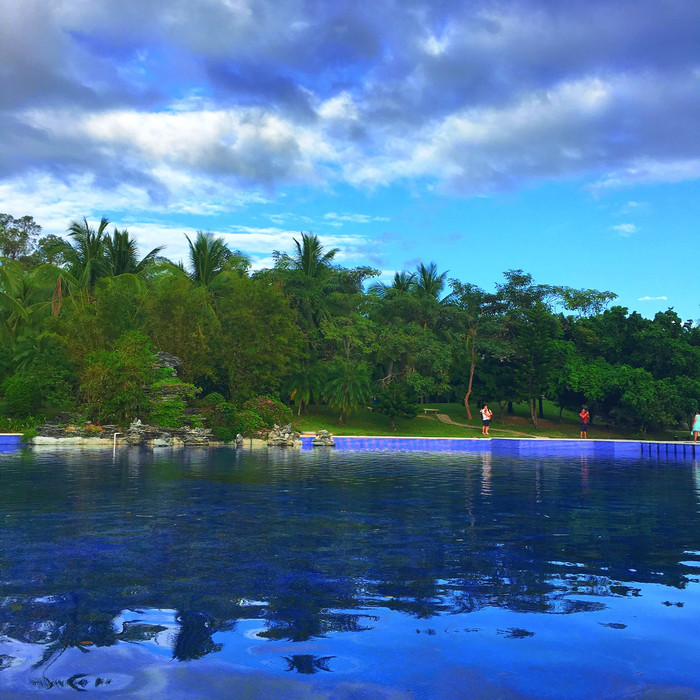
[(366, 422)]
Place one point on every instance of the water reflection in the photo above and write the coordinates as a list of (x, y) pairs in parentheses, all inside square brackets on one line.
[(177, 548)]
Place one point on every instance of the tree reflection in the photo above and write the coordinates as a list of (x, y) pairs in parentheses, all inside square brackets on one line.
[(311, 549)]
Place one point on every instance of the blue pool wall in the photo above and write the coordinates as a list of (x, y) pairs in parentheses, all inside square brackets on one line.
[(9, 441), (515, 446)]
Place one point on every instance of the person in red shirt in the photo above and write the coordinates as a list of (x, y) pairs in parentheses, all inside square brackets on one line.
[(584, 416)]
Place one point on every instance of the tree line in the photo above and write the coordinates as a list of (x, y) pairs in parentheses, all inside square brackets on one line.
[(84, 315)]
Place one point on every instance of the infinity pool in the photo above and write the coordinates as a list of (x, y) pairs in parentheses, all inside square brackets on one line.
[(332, 574)]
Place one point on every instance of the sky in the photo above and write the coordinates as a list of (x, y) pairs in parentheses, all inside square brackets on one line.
[(560, 137)]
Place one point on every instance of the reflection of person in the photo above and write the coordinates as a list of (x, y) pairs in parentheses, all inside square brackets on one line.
[(486, 414), (696, 426), (584, 416)]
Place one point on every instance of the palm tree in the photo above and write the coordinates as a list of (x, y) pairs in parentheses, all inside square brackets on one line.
[(211, 259), (348, 386), (25, 297), (121, 255), (311, 258), (404, 283), (428, 282), (207, 257), (85, 259), (304, 384)]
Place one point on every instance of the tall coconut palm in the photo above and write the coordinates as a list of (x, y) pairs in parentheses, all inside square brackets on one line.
[(309, 279), (428, 282), (84, 256), (211, 259), (121, 255), (311, 259)]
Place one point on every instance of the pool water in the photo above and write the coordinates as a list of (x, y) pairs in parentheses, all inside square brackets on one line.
[(272, 573)]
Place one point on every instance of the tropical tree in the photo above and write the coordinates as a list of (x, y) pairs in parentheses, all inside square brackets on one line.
[(310, 281), (428, 283), (211, 259), (478, 325), (304, 383), (25, 297), (393, 401), (85, 255), (311, 259), (347, 387), (403, 283), (17, 236), (121, 255)]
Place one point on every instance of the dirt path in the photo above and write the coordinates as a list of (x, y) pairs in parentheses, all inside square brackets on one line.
[(444, 418)]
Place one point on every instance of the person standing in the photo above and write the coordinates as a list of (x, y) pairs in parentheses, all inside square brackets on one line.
[(584, 415), (486, 414), (696, 426)]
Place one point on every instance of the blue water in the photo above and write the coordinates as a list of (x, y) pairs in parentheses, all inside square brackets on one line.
[(278, 574)]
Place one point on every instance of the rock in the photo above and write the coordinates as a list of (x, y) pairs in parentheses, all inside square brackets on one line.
[(166, 360), (140, 434), (283, 437), (323, 439)]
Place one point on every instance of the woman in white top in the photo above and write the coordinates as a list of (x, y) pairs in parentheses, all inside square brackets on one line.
[(486, 414)]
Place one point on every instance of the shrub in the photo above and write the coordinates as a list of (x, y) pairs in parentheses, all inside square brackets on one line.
[(169, 400), (213, 399), (247, 422), (269, 410), (28, 392), (224, 434)]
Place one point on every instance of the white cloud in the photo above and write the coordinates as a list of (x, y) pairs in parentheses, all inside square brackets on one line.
[(336, 219), (625, 229), (648, 298)]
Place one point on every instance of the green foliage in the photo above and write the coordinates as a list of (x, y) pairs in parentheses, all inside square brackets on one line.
[(29, 434), (168, 401), (213, 399), (257, 338), (115, 383), (306, 330), (347, 387), (269, 410), (17, 236), (248, 422), (393, 401), (32, 391), (223, 433)]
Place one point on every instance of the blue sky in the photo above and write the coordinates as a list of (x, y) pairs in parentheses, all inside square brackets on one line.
[(555, 136)]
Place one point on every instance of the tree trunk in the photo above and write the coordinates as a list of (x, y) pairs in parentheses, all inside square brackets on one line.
[(533, 413), (510, 408), (540, 409), (471, 382)]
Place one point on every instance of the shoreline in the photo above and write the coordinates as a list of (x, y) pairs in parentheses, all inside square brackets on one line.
[(540, 446)]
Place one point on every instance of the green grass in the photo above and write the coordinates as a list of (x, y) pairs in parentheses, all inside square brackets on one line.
[(365, 422)]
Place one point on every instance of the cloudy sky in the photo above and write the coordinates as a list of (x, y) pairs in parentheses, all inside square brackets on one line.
[(556, 136)]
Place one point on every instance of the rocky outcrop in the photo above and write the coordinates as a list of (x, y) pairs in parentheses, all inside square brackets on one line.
[(283, 436), (323, 439), (64, 427), (142, 434), (166, 360)]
